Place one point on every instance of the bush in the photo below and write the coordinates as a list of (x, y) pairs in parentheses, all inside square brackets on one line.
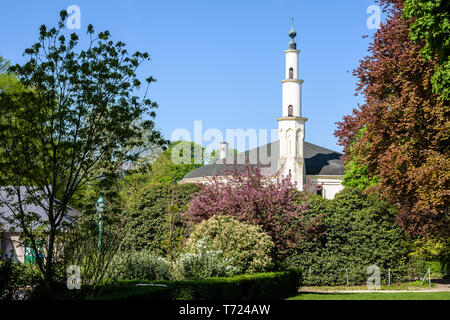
[(439, 269), (360, 231), (432, 249), (203, 263), (147, 213), (142, 265), (267, 286), (247, 247), (418, 267)]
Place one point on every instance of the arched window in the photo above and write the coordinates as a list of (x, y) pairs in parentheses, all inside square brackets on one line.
[(290, 111), (291, 73)]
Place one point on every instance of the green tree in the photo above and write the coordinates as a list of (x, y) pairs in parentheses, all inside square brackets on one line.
[(359, 230), (405, 142), (8, 82), (214, 156), (357, 172), (175, 162), (356, 176), (432, 24), (79, 119), (163, 168), (154, 217)]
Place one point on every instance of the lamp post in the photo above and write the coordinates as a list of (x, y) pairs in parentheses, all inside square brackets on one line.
[(100, 206)]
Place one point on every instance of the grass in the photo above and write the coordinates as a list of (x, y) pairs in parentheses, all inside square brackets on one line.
[(412, 285), (374, 296)]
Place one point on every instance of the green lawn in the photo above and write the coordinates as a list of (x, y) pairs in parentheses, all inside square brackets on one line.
[(410, 285), (374, 296)]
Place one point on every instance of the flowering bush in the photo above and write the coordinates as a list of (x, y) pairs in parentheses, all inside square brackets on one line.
[(246, 246), (249, 196), (203, 263)]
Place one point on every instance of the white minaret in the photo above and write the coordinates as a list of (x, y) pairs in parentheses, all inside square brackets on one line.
[(291, 126)]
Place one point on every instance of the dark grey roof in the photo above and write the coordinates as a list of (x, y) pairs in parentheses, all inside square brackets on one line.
[(318, 161)]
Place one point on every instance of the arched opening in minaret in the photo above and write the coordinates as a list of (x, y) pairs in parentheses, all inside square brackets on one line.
[(291, 73), (290, 111)]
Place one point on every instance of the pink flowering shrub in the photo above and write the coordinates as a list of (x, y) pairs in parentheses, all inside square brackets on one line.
[(275, 205)]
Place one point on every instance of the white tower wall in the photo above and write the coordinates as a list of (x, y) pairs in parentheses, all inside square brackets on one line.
[(292, 62), (292, 91)]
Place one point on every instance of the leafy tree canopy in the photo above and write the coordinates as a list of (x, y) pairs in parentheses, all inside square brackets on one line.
[(405, 142), (163, 168), (432, 24), (79, 118), (214, 156)]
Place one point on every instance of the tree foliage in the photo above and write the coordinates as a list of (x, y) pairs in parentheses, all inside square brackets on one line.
[(79, 118), (162, 169), (433, 249), (8, 82), (432, 23), (154, 219), (356, 173), (356, 176), (405, 144), (214, 156), (166, 170), (360, 231)]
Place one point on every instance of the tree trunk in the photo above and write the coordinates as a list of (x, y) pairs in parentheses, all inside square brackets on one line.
[(49, 272)]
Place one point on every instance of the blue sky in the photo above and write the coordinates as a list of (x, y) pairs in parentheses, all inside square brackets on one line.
[(222, 61)]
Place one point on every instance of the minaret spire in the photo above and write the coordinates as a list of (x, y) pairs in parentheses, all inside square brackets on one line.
[(291, 125)]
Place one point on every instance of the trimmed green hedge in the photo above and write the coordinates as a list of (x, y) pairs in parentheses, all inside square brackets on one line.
[(359, 230), (266, 286)]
